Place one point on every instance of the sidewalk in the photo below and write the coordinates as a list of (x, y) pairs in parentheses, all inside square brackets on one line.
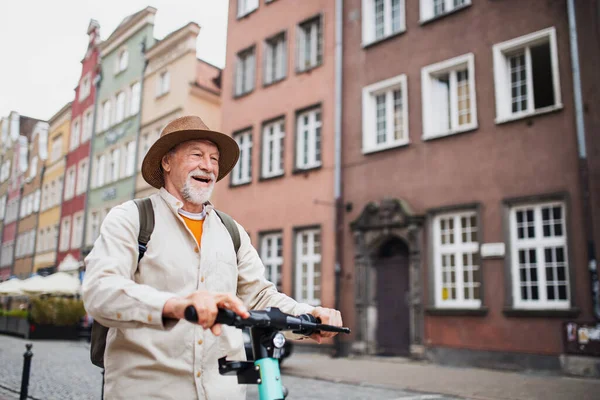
[(482, 384)]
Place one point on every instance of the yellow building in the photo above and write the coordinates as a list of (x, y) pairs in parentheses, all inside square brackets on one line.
[(52, 185), (176, 83)]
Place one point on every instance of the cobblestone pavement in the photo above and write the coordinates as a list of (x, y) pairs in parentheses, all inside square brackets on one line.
[(61, 370)]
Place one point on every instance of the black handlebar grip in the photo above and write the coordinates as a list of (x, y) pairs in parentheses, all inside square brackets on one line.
[(191, 314)]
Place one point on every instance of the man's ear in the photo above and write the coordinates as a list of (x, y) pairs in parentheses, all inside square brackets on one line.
[(165, 163)]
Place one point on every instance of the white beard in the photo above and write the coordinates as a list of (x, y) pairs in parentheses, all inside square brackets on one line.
[(196, 195)]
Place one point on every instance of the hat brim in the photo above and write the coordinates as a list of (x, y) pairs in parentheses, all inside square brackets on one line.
[(229, 152)]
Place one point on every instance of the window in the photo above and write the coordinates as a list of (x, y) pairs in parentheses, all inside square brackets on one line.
[(308, 267), (449, 97), (75, 133), (41, 241), (33, 167), (130, 160), (120, 115), (540, 270), (94, 228), (275, 58), (309, 44), (115, 161), (84, 88), (23, 208), (135, 98), (242, 172), (246, 7), (30, 204), (2, 207), (65, 233), (88, 123), (526, 76), (106, 115), (244, 72), (57, 144), (272, 149), (456, 260), (122, 61), (145, 146), (271, 254), (82, 177), (58, 192), (70, 183), (385, 114), (100, 170), (382, 18), (77, 231), (308, 139), (55, 237), (435, 8), (163, 83), (36, 200)]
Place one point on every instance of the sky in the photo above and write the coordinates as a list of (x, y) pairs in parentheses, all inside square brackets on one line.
[(42, 43)]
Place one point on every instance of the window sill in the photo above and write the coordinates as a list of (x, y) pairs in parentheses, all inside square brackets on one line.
[(541, 111), (383, 39), (120, 72), (266, 85), (269, 178), (546, 313), (247, 14), (437, 17), (384, 148), (239, 96), (457, 312), (309, 69), (236, 185), (299, 171), (160, 96), (450, 133)]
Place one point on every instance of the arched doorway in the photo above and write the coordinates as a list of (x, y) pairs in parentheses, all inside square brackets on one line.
[(392, 294)]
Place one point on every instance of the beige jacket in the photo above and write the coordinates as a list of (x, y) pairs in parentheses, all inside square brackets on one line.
[(145, 359)]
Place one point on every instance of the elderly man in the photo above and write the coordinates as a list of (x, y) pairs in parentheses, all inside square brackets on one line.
[(190, 260)]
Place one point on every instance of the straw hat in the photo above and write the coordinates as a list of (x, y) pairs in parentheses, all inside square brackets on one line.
[(181, 130)]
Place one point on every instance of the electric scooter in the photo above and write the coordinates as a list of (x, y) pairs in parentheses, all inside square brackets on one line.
[(267, 342)]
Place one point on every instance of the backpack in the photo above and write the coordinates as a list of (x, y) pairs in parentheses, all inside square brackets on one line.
[(99, 332)]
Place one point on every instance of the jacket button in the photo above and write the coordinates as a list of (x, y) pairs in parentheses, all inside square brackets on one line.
[(196, 249), (200, 341), (202, 279), (118, 315), (149, 318), (198, 374)]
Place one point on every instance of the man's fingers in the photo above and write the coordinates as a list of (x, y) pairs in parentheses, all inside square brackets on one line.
[(232, 303), (216, 329), (316, 337)]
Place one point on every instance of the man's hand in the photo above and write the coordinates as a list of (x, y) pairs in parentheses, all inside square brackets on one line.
[(327, 316), (207, 305)]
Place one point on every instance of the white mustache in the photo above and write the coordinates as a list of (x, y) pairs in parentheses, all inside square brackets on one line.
[(202, 174)]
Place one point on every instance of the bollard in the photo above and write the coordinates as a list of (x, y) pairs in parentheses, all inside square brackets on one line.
[(102, 395), (26, 369)]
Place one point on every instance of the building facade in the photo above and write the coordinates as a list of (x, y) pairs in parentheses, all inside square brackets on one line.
[(33, 173), (52, 188), (176, 83), (4, 168), (76, 144), (113, 154), (464, 225), (278, 104)]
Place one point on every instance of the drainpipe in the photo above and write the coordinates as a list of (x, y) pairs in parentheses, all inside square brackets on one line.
[(337, 190), (583, 166)]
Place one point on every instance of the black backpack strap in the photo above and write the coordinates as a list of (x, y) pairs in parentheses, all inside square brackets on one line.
[(231, 228), (146, 224)]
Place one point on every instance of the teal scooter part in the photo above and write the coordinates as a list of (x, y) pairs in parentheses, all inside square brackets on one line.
[(270, 386)]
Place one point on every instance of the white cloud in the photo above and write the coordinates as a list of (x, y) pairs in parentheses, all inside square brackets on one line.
[(42, 43)]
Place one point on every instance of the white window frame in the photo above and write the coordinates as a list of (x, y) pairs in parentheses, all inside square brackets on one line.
[(311, 259), (65, 233), (130, 149), (70, 179), (122, 61), (88, 125), (120, 109), (75, 134), (369, 112), (270, 246), (538, 242), (242, 172), (101, 170), (275, 58), (134, 107), (85, 87), (245, 7), (36, 200), (57, 148), (77, 230), (114, 165), (106, 114), (272, 158), (427, 10), (368, 21), (2, 207), (82, 176), (431, 110), (313, 28), (245, 71), (502, 74), (314, 148), (94, 228), (163, 83), (457, 250)]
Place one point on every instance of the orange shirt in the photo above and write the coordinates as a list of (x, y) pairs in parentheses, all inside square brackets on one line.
[(195, 225)]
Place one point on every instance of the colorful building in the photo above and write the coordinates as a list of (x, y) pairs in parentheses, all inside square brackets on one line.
[(176, 83), (29, 208), (52, 185), (76, 143), (114, 147)]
